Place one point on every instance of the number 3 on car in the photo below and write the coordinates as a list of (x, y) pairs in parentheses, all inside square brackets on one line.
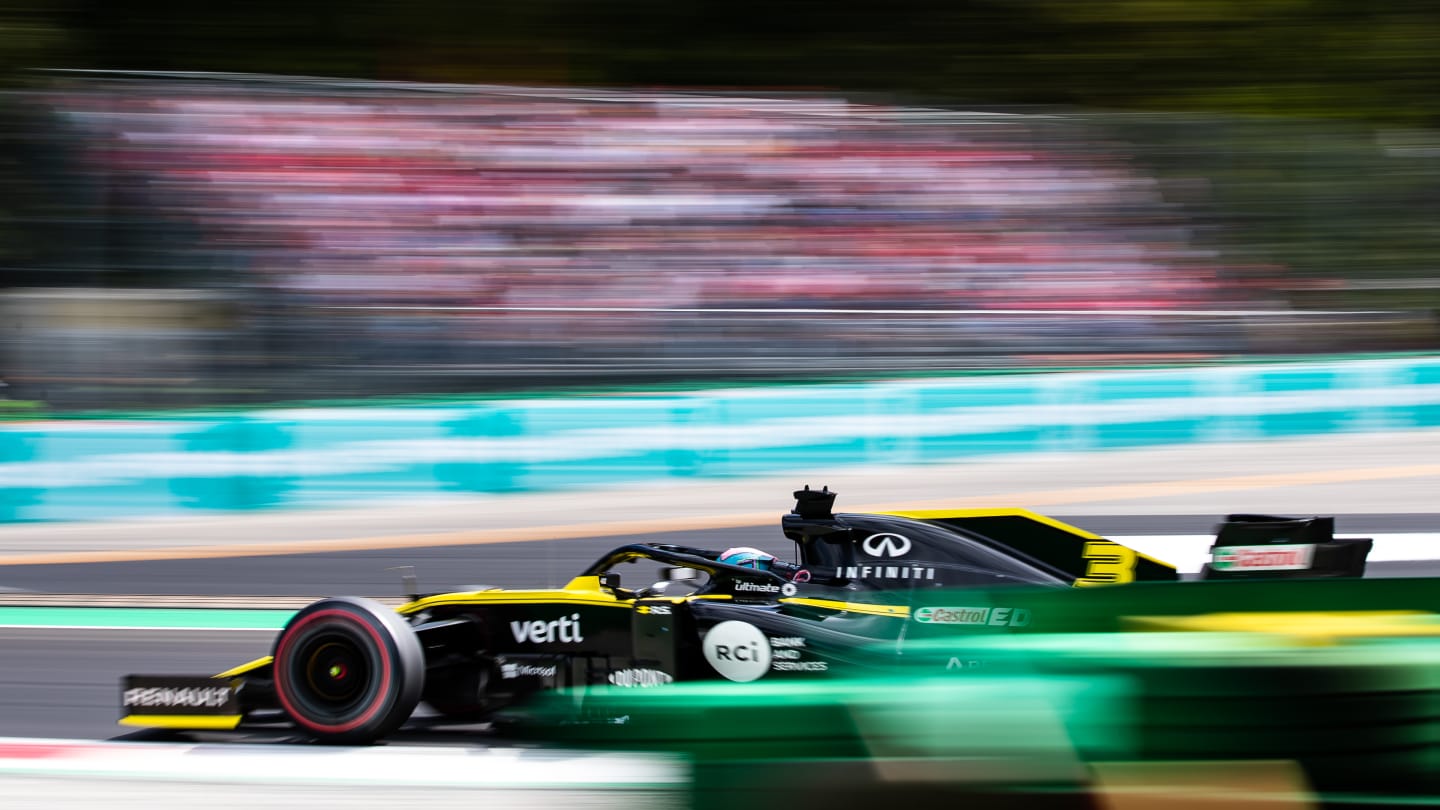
[(1107, 563)]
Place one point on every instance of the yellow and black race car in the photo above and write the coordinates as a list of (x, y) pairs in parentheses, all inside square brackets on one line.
[(350, 670)]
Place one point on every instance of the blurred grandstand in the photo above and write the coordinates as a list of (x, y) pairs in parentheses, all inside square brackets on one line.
[(286, 238)]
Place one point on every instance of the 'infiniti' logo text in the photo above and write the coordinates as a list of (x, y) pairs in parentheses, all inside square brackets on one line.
[(886, 545)]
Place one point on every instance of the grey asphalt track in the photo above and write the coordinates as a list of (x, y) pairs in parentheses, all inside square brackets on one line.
[(67, 683)]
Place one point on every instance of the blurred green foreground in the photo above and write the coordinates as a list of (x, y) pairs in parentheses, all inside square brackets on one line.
[(1165, 701)]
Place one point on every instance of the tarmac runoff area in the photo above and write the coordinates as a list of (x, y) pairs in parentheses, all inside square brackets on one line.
[(1360, 473)]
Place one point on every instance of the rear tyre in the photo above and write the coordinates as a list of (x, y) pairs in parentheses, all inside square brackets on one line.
[(348, 670)]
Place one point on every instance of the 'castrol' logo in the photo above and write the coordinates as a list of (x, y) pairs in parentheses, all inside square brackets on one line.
[(1262, 558), (737, 650), (996, 617)]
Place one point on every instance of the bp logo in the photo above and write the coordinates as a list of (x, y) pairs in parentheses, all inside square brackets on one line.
[(886, 545), (737, 650)]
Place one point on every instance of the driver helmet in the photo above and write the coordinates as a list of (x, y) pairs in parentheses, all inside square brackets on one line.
[(747, 557)]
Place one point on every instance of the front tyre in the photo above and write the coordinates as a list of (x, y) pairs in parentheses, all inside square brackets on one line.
[(348, 670)]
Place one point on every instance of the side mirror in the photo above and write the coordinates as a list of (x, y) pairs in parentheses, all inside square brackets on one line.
[(408, 581), (680, 574)]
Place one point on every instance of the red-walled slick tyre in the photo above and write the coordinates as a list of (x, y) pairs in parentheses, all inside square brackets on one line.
[(348, 670)]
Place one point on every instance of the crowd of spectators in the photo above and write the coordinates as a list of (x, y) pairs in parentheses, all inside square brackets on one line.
[(501, 200)]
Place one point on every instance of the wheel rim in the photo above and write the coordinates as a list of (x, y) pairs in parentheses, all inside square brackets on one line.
[(335, 668), (333, 675)]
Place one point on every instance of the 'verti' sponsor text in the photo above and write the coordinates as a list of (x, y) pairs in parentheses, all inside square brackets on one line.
[(564, 629)]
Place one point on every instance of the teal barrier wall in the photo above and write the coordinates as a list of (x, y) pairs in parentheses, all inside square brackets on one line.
[(78, 469)]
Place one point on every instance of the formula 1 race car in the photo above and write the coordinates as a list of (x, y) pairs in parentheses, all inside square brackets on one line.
[(862, 587)]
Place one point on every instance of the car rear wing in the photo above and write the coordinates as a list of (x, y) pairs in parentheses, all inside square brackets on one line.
[(1269, 547)]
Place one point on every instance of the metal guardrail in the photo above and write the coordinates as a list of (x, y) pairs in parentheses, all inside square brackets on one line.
[(175, 358)]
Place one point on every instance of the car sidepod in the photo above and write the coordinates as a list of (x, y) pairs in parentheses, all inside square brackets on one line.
[(748, 642)]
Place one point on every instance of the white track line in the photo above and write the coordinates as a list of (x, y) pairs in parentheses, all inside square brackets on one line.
[(502, 768)]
